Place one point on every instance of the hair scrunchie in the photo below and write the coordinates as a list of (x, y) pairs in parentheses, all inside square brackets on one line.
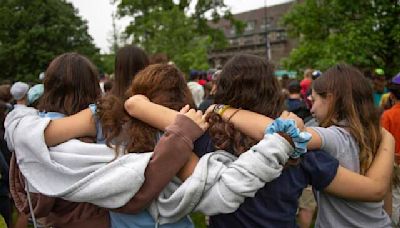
[(288, 126)]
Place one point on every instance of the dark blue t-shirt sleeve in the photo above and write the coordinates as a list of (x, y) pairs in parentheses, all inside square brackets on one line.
[(321, 168), (203, 145)]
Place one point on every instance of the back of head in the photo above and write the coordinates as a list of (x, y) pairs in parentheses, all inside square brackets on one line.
[(247, 82), (308, 73), (129, 60), (70, 85), (19, 90), (352, 102), (159, 58), (394, 87), (5, 94), (34, 94), (163, 84), (294, 87)]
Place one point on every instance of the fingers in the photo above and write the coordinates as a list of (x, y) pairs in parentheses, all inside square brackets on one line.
[(285, 114), (210, 109), (196, 116), (185, 109)]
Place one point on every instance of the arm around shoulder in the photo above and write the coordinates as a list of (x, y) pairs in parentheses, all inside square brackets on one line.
[(79, 125), (374, 185)]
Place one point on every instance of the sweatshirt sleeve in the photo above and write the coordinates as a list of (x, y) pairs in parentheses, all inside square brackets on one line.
[(170, 155), (245, 176), (220, 182)]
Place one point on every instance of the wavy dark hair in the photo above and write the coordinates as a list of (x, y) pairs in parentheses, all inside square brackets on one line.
[(163, 84), (247, 82), (129, 60), (70, 85), (353, 103)]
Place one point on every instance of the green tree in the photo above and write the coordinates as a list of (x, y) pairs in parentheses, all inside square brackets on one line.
[(34, 32), (365, 33), (167, 26)]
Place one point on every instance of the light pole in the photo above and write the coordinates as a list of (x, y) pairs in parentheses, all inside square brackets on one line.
[(267, 43)]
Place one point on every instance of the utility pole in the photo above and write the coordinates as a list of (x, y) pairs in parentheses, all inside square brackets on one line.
[(267, 43)]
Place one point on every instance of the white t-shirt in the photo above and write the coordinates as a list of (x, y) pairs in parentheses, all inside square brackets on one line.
[(197, 91)]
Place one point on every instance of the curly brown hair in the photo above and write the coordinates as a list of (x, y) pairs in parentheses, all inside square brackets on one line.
[(163, 84), (247, 82)]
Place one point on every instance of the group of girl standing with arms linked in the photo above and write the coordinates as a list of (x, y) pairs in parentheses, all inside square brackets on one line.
[(349, 162)]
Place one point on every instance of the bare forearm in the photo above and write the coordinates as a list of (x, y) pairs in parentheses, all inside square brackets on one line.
[(387, 202), (153, 114), (79, 125), (374, 185), (353, 186), (249, 123), (382, 166)]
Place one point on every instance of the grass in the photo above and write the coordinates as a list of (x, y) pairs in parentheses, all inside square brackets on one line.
[(2, 222), (198, 220)]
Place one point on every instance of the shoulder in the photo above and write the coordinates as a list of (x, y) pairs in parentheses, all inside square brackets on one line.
[(321, 168), (203, 145)]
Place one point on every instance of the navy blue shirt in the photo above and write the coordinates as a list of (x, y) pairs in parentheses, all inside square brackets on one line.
[(275, 205), (298, 107)]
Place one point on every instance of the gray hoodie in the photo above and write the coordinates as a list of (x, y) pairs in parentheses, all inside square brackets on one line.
[(85, 172)]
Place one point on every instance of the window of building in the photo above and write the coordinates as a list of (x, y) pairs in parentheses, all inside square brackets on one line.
[(234, 42), (250, 27), (266, 24), (282, 35), (248, 41), (232, 31)]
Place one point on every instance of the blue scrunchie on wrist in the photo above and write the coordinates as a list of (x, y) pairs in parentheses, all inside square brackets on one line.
[(288, 126)]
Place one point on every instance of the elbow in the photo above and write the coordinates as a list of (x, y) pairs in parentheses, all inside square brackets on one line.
[(379, 194), (129, 106)]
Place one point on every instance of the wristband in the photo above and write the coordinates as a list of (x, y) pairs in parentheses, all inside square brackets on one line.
[(234, 113), (220, 109)]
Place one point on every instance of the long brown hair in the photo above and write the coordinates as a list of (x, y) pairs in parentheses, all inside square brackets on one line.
[(352, 102), (129, 60), (70, 85), (247, 82), (162, 84)]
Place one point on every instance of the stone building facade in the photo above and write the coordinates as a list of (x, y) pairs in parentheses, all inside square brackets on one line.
[(259, 23)]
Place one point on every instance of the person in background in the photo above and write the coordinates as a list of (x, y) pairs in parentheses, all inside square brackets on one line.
[(195, 88), (5, 155), (5, 94), (129, 60), (305, 84), (209, 100), (159, 58), (108, 86), (390, 120), (19, 91), (202, 78), (284, 84), (379, 85), (34, 94), (41, 76), (295, 103)]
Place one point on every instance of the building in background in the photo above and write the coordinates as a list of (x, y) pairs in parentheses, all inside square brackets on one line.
[(259, 23)]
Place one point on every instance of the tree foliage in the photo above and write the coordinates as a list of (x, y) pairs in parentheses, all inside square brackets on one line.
[(34, 32), (359, 32), (168, 26)]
